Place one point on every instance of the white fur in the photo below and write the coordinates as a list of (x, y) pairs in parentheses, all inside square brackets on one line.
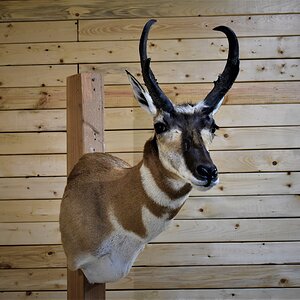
[(202, 105), (114, 257), (153, 224), (155, 193), (206, 137), (185, 109)]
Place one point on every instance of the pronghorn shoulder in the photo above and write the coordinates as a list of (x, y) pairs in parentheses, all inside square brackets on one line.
[(97, 164)]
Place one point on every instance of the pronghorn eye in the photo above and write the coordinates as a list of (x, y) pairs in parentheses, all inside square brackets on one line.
[(160, 128)]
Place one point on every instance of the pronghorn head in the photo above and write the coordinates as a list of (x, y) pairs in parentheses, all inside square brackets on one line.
[(183, 132)]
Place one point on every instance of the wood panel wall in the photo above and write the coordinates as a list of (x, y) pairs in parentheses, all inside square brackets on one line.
[(240, 240)]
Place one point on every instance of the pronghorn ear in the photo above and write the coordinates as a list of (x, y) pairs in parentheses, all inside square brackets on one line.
[(217, 106), (142, 95), (209, 109)]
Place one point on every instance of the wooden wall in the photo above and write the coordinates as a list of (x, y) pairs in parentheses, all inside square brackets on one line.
[(240, 240)]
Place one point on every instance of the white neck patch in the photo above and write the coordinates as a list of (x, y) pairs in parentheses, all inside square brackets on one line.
[(155, 193)]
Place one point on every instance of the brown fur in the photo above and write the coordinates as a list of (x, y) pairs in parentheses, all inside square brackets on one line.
[(101, 184)]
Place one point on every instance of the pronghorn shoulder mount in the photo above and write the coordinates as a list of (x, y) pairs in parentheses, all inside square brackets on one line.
[(111, 210)]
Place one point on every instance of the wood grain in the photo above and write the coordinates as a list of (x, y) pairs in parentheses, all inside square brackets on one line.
[(219, 254), (197, 277), (203, 207), (206, 294), (33, 120), (201, 294), (226, 161), (159, 50), (255, 184), (230, 184), (18, 11), (33, 165), (32, 188), (192, 254), (227, 116), (226, 139), (33, 143), (189, 27), (29, 210), (240, 93), (39, 295), (129, 141), (38, 75), (21, 32), (200, 207), (25, 257), (179, 231), (192, 231), (131, 118), (33, 279), (32, 98), (188, 72), (210, 277), (122, 96), (242, 161)]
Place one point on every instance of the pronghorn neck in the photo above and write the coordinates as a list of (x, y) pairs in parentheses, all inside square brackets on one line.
[(162, 186)]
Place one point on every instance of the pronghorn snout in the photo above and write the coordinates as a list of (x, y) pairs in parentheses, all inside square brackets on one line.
[(208, 174)]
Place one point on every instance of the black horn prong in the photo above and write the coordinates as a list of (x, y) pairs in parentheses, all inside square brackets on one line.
[(229, 74), (160, 100)]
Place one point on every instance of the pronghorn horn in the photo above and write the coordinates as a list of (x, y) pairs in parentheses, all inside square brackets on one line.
[(160, 100), (229, 74)]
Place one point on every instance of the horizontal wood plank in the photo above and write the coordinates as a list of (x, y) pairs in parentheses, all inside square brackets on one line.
[(122, 96), (159, 50), (205, 294), (33, 165), (192, 231), (32, 98), (240, 93), (179, 231), (195, 208), (241, 161), (188, 72), (201, 294), (29, 210), (226, 139), (40, 295), (132, 118), (227, 116), (33, 120), (194, 277), (191, 254), (18, 11), (30, 76), (26, 257), (255, 184), (189, 27), (33, 279), (210, 277), (33, 143), (219, 254), (129, 141), (24, 32), (32, 188), (240, 207), (226, 161), (29, 233), (230, 184)]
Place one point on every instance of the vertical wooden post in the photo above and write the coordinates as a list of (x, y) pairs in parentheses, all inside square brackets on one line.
[(85, 132)]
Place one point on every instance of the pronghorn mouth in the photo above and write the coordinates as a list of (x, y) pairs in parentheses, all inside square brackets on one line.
[(205, 184)]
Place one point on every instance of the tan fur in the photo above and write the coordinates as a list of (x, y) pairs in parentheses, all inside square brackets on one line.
[(100, 185)]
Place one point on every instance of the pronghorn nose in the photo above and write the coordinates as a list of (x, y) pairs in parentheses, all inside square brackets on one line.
[(208, 173)]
